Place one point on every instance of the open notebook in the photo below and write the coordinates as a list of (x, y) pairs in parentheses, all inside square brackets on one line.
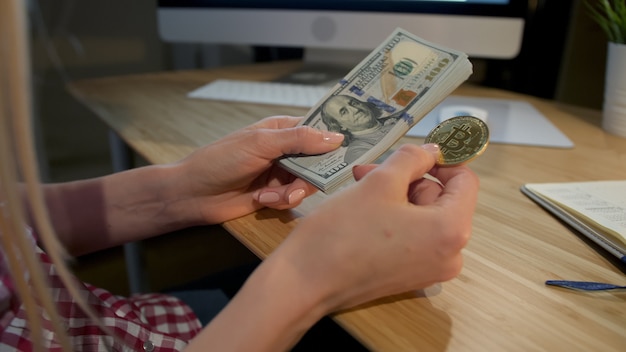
[(597, 209)]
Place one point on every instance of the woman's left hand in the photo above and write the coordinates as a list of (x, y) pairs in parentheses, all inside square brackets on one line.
[(237, 174)]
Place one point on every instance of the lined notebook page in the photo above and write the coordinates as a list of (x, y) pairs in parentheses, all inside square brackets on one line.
[(600, 202)]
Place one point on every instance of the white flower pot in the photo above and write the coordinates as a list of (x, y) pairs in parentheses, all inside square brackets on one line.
[(614, 107)]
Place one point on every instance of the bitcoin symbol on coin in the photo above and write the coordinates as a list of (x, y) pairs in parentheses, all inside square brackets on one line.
[(460, 138), (456, 139)]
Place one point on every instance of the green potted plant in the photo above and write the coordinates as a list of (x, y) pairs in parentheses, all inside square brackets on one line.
[(611, 16)]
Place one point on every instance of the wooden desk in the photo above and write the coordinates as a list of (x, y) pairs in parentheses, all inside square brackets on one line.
[(499, 302)]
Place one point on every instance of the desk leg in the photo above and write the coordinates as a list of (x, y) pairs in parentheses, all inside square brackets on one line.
[(121, 157)]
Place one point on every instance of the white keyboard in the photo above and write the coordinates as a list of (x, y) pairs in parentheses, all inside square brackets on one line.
[(274, 93)]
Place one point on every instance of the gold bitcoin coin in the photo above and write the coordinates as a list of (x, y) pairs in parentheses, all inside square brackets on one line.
[(460, 139)]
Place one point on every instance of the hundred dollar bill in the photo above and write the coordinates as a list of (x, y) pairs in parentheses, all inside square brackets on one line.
[(377, 102)]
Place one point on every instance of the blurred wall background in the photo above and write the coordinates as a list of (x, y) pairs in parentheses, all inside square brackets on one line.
[(73, 40)]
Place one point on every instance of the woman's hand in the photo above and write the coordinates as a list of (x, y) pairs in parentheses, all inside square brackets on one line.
[(237, 174), (391, 232)]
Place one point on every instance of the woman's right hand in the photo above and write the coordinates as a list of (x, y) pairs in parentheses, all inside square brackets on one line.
[(391, 232)]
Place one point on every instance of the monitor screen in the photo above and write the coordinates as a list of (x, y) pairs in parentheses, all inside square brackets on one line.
[(481, 28)]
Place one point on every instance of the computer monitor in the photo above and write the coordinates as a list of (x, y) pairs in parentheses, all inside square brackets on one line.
[(481, 28)]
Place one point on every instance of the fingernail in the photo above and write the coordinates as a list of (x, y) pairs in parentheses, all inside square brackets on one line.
[(269, 197), (432, 148), (296, 196), (332, 137)]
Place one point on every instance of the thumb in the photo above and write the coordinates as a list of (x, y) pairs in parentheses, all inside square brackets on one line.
[(359, 171), (305, 140), (405, 165)]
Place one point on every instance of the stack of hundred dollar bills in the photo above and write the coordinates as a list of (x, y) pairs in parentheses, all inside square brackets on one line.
[(376, 103)]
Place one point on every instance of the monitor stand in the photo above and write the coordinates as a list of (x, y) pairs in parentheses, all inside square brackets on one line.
[(324, 67), (316, 74)]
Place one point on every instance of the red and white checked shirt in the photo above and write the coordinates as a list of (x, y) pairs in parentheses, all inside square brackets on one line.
[(146, 322)]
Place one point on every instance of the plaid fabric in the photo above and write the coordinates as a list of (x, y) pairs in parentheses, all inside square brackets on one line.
[(146, 322)]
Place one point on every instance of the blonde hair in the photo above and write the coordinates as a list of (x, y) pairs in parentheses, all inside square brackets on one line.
[(18, 164)]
